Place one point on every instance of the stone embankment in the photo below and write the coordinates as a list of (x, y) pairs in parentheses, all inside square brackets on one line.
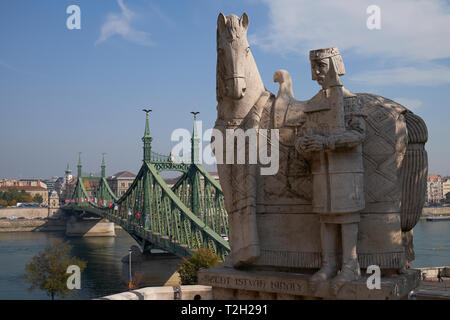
[(24, 213), (28, 225), (435, 211), (30, 219), (431, 288), (192, 292)]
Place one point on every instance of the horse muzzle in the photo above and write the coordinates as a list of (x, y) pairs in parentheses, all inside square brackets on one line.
[(235, 87)]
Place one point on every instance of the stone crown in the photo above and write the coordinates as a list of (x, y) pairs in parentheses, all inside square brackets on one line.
[(320, 54)]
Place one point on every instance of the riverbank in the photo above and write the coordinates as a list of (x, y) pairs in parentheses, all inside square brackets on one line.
[(435, 211), (32, 225)]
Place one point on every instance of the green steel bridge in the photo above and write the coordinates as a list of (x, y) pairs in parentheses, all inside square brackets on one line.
[(178, 219)]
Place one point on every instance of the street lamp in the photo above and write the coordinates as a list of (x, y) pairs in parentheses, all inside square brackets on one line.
[(129, 267)]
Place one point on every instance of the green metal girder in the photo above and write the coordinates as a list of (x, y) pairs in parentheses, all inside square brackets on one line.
[(181, 219)]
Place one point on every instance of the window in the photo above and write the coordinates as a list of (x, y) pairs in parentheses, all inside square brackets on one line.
[(122, 184)]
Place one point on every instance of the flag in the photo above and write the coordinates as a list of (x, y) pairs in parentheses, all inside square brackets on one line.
[(110, 205), (100, 201), (129, 211), (138, 214), (116, 207), (95, 199)]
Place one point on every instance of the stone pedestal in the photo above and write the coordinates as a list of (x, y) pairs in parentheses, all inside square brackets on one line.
[(230, 284), (90, 228)]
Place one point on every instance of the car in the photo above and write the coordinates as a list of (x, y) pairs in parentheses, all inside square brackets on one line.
[(12, 218)]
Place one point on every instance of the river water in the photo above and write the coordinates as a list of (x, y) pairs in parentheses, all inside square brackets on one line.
[(104, 273)]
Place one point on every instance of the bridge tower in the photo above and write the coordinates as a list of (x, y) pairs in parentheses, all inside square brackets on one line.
[(103, 166), (147, 139)]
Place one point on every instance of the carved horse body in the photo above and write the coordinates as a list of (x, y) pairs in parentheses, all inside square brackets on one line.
[(395, 163)]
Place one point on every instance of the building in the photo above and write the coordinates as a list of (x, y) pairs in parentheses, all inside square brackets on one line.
[(53, 203), (51, 183), (435, 188), (22, 183), (31, 186), (172, 181), (67, 189), (68, 175), (446, 188), (120, 182)]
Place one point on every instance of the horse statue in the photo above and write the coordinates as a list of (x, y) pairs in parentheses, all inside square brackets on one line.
[(272, 223)]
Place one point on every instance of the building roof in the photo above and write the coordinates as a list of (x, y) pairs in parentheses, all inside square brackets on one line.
[(26, 188), (171, 181), (434, 177), (123, 175)]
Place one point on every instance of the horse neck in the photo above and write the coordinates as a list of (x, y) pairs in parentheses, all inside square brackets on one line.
[(238, 109)]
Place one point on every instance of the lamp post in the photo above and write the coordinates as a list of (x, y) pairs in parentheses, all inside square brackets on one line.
[(129, 267)]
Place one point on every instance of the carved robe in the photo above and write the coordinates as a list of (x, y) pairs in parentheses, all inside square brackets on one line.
[(337, 171)]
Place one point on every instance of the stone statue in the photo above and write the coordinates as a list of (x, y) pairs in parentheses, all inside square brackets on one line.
[(352, 174), (333, 132), (239, 89)]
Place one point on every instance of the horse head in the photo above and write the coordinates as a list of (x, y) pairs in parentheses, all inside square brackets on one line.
[(233, 54)]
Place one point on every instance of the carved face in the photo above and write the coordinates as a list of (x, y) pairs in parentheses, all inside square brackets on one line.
[(320, 70), (232, 53)]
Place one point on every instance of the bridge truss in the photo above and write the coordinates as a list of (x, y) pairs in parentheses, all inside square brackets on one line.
[(180, 219)]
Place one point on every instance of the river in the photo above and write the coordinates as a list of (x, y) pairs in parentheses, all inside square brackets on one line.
[(104, 272)]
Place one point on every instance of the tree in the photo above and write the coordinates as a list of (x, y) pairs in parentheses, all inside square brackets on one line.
[(48, 270), (201, 259), (25, 197), (38, 198), (12, 196)]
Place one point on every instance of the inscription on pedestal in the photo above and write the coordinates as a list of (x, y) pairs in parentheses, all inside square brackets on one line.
[(263, 282)]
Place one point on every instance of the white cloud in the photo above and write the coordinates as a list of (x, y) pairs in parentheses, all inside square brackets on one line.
[(425, 75), (7, 65), (414, 30), (411, 104), (120, 24)]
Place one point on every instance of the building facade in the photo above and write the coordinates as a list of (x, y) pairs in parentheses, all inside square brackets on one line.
[(120, 182), (31, 186), (435, 188), (446, 188)]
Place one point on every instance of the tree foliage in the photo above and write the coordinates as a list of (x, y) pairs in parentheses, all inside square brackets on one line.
[(37, 198), (47, 270), (201, 259), (11, 196)]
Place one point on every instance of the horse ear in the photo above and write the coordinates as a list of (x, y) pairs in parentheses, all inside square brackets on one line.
[(221, 21), (244, 21)]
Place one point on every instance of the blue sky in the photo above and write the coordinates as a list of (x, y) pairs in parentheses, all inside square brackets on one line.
[(64, 91)]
